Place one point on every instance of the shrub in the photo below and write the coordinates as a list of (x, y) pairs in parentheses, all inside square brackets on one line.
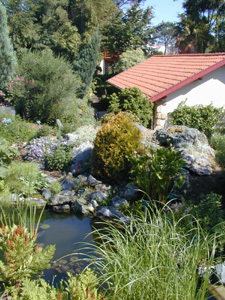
[(45, 88), (116, 140), (204, 118), (156, 172), (129, 59), (58, 159), (132, 100), (218, 143)]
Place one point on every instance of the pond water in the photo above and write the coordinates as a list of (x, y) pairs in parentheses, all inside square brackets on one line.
[(66, 232)]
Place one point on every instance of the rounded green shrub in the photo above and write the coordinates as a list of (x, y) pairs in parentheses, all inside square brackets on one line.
[(45, 88), (115, 142), (133, 101)]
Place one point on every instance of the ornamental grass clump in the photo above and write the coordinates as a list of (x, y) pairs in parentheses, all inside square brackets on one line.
[(153, 258), (115, 141)]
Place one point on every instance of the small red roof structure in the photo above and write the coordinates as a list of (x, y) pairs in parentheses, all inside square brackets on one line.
[(160, 75)]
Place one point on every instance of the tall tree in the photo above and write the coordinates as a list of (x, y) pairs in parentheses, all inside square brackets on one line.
[(7, 56), (165, 35), (129, 29), (86, 62), (198, 29)]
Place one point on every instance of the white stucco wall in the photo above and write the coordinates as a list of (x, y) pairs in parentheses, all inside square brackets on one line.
[(211, 89)]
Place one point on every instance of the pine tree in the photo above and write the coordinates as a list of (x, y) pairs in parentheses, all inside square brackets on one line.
[(86, 62), (7, 55)]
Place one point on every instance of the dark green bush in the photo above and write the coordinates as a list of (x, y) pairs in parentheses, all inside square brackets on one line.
[(132, 100), (204, 118), (59, 159), (116, 140), (218, 143), (156, 172), (45, 88)]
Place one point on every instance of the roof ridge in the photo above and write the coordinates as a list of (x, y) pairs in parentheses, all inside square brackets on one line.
[(190, 54)]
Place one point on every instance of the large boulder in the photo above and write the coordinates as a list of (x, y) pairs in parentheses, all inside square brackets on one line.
[(83, 134), (64, 197), (194, 144), (81, 154)]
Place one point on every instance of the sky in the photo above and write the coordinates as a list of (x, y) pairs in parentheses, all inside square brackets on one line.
[(165, 10)]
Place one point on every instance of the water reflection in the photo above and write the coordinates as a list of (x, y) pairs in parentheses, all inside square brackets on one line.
[(66, 232)]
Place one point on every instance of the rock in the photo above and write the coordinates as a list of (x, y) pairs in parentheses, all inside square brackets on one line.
[(93, 181), (83, 134), (67, 183), (103, 187), (99, 196), (61, 208), (183, 137), (131, 193), (197, 164), (108, 212), (193, 143), (220, 272), (81, 206), (81, 181), (119, 202), (71, 138), (51, 179), (94, 203), (82, 153), (39, 203), (46, 193), (59, 124), (64, 197)]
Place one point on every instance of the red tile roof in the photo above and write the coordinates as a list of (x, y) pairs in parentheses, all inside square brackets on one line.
[(159, 75)]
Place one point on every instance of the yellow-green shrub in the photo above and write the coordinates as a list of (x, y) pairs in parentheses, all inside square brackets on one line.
[(114, 143)]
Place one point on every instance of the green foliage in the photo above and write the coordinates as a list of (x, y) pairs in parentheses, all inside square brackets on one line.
[(156, 172), (129, 29), (22, 257), (59, 159), (7, 153), (129, 59), (17, 131), (26, 178), (79, 287), (204, 118), (132, 100), (116, 140), (87, 61), (48, 91), (7, 56), (209, 213), (151, 258), (218, 143), (56, 187)]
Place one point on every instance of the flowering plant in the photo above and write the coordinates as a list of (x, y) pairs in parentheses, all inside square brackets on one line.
[(45, 149)]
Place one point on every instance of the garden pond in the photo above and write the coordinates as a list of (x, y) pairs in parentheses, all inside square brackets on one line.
[(67, 232)]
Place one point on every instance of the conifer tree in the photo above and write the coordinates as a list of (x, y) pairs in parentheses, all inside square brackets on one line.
[(87, 61), (7, 55)]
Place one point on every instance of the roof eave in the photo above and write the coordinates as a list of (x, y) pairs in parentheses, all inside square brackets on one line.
[(187, 81)]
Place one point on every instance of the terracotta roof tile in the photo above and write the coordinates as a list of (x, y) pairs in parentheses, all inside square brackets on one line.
[(158, 76)]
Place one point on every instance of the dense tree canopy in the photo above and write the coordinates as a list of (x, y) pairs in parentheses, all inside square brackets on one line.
[(199, 29), (128, 30), (165, 34)]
